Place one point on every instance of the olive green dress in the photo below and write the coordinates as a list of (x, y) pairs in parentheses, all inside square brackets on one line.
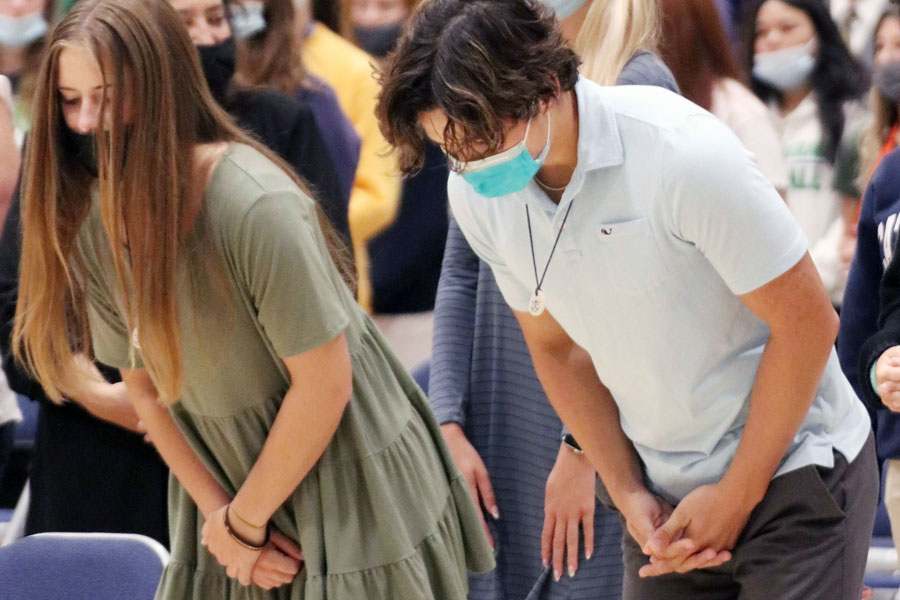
[(384, 514)]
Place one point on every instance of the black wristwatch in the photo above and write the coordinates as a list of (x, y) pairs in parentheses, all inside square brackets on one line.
[(569, 440)]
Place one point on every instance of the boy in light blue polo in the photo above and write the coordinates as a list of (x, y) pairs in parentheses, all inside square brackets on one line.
[(674, 316)]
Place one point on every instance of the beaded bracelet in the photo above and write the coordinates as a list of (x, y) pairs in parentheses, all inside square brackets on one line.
[(241, 540)]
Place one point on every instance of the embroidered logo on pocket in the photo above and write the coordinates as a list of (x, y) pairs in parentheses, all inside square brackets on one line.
[(629, 255)]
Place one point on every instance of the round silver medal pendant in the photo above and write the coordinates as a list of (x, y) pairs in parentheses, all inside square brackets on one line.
[(537, 304)]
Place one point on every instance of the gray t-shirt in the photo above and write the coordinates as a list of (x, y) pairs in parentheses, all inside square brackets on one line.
[(645, 68)]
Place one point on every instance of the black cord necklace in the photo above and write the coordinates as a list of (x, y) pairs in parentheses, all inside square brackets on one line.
[(537, 304)]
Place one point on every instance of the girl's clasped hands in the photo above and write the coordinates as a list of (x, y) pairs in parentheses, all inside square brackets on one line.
[(251, 554)]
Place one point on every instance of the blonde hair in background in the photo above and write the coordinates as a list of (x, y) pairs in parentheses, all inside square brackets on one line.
[(612, 32), (144, 53)]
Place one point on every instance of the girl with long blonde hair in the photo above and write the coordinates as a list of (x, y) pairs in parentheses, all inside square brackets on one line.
[(612, 34), (192, 259)]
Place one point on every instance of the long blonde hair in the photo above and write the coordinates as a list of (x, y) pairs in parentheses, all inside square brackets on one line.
[(612, 32), (145, 166)]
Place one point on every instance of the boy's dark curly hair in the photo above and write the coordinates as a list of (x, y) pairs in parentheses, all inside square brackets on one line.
[(483, 63)]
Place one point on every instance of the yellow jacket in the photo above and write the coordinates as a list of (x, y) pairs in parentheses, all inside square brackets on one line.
[(376, 189)]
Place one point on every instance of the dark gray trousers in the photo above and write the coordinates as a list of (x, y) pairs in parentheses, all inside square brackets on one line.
[(807, 540)]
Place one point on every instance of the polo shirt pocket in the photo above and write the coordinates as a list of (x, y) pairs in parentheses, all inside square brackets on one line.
[(628, 253)]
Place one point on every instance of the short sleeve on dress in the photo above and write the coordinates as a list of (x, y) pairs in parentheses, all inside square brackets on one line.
[(284, 262)]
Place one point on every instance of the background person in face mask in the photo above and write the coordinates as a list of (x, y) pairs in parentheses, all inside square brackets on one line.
[(883, 132), (378, 23), (405, 259), (23, 24), (696, 48), (877, 235), (282, 123), (269, 56), (571, 15), (802, 69), (295, 55), (337, 60)]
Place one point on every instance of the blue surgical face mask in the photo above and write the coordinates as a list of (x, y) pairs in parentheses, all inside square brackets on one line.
[(18, 32), (785, 69), (248, 19), (507, 172), (564, 8)]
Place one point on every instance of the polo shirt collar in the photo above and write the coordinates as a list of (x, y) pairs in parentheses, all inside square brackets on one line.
[(599, 146), (599, 140)]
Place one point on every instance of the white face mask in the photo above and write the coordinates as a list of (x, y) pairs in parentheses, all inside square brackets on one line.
[(248, 19), (18, 32), (785, 69)]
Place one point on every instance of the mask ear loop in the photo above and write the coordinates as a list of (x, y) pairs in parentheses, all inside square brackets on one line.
[(527, 129), (543, 155), (546, 150)]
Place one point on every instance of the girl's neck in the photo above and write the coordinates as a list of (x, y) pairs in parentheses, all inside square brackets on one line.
[(791, 99)]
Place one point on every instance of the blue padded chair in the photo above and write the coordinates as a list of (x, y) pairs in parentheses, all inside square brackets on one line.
[(26, 430), (81, 566)]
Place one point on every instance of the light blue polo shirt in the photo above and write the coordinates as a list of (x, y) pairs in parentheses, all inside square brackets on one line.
[(671, 219)]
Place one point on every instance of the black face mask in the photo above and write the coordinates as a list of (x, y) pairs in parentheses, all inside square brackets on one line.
[(886, 80), (82, 148), (218, 62), (379, 41)]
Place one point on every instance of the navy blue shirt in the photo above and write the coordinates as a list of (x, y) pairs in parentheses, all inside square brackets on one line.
[(341, 139), (405, 259), (879, 224)]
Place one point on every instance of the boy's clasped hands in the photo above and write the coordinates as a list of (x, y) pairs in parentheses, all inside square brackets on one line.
[(697, 534)]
